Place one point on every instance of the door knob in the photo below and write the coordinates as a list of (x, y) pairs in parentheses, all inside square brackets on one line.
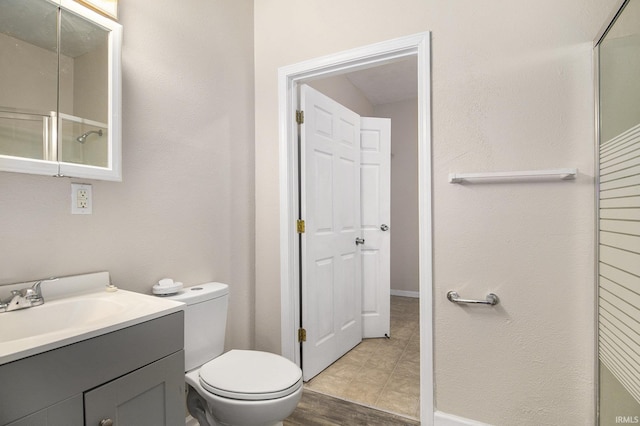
[(359, 241), (384, 227), (106, 422)]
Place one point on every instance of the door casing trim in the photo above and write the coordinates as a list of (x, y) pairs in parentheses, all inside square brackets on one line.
[(352, 60)]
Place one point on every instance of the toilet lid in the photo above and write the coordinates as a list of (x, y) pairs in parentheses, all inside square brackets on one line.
[(250, 375)]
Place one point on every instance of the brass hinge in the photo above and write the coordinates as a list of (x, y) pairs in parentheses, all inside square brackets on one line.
[(299, 117), (300, 226), (302, 335)]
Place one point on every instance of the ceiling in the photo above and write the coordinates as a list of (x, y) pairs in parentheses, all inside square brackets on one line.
[(393, 82)]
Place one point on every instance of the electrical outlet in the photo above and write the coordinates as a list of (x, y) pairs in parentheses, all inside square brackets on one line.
[(81, 198)]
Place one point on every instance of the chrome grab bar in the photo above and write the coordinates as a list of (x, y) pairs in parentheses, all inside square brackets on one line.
[(492, 299)]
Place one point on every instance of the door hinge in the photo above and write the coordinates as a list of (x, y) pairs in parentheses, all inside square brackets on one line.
[(302, 335), (299, 117), (300, 226)]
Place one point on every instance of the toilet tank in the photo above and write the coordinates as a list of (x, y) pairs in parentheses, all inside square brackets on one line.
[(205, 321)]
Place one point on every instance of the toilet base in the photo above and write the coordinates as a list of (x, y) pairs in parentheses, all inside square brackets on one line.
[(230, 412)]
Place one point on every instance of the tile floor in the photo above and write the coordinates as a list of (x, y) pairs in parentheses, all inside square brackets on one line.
[(381, 373)]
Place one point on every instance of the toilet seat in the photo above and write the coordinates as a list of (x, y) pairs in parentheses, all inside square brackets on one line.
[(250, 376)]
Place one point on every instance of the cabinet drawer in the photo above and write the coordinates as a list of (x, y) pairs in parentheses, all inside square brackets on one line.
[(150, 396)]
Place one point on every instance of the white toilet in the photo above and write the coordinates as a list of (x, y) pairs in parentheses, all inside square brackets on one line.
[(240, 387)]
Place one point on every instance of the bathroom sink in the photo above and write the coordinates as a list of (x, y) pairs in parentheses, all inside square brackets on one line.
[(66, 320), (58, 316)]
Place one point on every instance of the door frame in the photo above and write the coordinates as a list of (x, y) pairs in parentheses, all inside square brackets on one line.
[(352, 60)]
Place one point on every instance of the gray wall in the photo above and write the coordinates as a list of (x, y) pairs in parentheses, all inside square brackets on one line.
[(512, 89), (404, 194)]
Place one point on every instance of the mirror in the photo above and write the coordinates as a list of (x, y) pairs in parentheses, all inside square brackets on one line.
[(618, 66), (60, 86)]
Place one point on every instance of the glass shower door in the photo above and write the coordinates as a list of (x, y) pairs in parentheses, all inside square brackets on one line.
[(619, 219)]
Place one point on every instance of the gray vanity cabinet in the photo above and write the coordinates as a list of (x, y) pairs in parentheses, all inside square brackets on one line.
[(145, 397), (134, 376)]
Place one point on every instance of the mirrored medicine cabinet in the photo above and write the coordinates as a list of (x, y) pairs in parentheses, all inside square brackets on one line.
[(60, 90)]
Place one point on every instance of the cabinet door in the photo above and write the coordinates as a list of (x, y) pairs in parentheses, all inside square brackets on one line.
[(65, 413), (150, 396)]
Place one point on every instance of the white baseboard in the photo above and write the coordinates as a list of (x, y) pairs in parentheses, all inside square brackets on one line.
[(405, 293), (444, 419)]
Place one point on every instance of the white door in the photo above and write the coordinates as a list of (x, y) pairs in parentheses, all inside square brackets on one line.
[(330, 205), (375, 181)]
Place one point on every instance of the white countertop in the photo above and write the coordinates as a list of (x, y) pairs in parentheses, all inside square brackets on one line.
[(66, 320)]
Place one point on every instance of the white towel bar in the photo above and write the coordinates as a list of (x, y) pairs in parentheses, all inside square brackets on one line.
[(562, 173)]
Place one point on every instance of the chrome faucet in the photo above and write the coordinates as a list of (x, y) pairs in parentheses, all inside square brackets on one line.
[(24, 298)]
